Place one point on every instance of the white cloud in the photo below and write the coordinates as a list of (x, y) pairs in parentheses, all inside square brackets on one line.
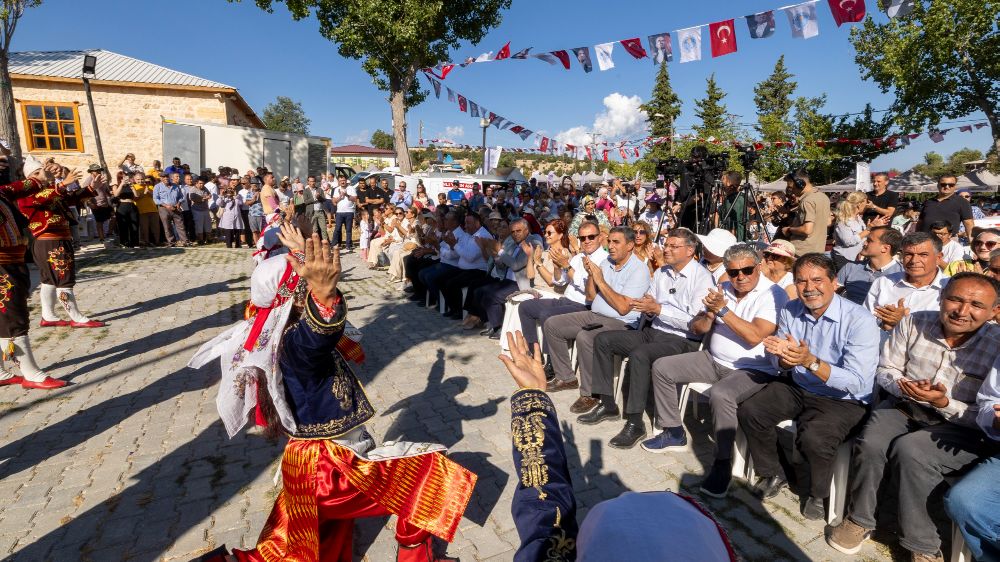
[(622, 118), (361, 137), (454, 132)]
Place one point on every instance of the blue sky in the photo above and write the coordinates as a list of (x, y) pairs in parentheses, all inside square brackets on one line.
[(267, 55)]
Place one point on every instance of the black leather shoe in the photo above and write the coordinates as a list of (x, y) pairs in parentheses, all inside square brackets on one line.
[(495, 335), (602, 412), (629, 436), (486, 332), (813, 509), (550, 372), (716, 484), (769, 486)]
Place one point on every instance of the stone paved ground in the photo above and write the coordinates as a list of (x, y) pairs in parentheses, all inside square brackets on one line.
[(130, 462)]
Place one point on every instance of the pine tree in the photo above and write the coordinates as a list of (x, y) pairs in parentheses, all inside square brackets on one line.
[(662, 111), (773, 98), (712, 113)]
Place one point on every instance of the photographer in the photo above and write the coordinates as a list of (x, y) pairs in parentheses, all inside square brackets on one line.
[(732, 212)]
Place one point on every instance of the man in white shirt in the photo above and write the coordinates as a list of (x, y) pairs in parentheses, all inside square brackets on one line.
[(675, 296), (951, 249), (428, 280), (472, 266), (741, 313), (345, 198), (917, 288), (572, 285), (611, 288)]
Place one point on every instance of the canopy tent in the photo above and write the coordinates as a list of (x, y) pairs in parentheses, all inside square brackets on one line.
[(511, 174), (592, 178), (912, 181), (577, 178), (776, 185), (847, 184), (979, 182)]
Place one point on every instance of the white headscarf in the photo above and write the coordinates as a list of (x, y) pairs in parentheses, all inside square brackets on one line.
[(31, 165), (240, 367)]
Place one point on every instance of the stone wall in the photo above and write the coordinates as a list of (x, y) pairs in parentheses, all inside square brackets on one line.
[(129, 118)]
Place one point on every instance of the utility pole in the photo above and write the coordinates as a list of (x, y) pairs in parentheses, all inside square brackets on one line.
[(421, 134), (593, 142), (90, 70)]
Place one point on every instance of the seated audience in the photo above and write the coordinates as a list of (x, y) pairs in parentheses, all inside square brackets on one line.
[(471, 266), (878, 259), (978, 260), (777, 266), (951, 249), (917, 288)]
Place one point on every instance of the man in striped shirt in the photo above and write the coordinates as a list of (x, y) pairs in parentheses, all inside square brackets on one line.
[(932, 365)]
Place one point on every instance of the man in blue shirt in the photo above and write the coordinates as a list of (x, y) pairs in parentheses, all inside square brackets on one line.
[(610, 288), (455, 194), (401, 197), (879, 251), (175, 168), (169, 197), (827, 348)]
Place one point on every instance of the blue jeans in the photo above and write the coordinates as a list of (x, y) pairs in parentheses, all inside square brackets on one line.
[(973, 505), (346, 219)]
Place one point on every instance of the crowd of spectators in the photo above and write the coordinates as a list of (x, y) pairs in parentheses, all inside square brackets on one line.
[(828, 312)]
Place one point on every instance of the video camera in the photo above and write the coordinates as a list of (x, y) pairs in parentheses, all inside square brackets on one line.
[(696, 174), (748, 157)]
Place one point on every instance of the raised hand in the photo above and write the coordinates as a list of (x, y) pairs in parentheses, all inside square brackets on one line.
[(525, 368), (291, 237), (321, 269)]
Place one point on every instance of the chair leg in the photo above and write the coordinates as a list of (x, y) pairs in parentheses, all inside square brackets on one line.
[(959, 552), (441, 304), (465, 292), (619, 370), (741, 461), (682, 399), (838, 483)]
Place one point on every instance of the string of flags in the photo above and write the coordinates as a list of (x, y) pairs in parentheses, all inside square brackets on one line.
[(632, 148), (802, 20)]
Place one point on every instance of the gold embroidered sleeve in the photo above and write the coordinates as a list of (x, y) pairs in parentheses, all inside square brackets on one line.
[(326, 327)]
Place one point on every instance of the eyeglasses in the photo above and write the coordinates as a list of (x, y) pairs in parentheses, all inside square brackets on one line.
[(966, 196), (995, 270), (589, 237), (990, 244), (746, 271), (640, 231), (946, 184), (551, 233)]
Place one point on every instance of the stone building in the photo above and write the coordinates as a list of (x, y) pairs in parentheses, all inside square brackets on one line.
[(132, 98)]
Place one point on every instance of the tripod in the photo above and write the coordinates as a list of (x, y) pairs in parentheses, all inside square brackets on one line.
[(749, 195)]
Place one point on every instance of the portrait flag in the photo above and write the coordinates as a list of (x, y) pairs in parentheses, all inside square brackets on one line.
[(503, 53), (634, 47), (761, 25), (484, 57), (937, 136), (582, 55), (802, 18), (603, 53), (723, 38), (462, 103), (522, 54), (473, 109), (847, 11), (524, 134), (451, 95), (437, 88), (898, 8), (965, 128), (690, 43), (563, 57)]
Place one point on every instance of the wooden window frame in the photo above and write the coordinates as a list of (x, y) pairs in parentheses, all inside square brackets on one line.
[(29, 134)]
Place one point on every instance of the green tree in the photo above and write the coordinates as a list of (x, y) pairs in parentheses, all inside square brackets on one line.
[(394, 39), (10, 14), (941, 61), (286, 115), (773, 98), (381, 139), (935, 165), (809, 123), (712, 112), (662, 111)]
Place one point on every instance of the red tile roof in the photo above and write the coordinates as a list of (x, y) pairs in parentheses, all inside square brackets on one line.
[(360, 149)]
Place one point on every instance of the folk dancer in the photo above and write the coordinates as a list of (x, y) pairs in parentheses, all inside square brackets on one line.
[(287, 362)]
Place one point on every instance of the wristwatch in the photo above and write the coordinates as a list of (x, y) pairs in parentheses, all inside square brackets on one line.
[(814, 366), (722, 312)]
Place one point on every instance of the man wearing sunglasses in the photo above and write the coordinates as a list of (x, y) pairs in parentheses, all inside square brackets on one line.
[(979, 261), (741, 313), (946, 207)]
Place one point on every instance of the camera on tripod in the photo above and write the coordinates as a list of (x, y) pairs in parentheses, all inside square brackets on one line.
[(697, 174), (748, 157)]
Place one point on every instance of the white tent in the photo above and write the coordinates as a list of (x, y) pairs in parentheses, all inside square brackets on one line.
[(777, 185), (592, 178), (847, 184), (979, 182), (912, 181)]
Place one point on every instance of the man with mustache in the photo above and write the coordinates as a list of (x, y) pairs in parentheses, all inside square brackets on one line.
[(826, 348), (932, 365), (917, 287)]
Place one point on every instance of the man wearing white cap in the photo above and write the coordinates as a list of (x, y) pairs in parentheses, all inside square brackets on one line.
[(714, 246), (15, 284), (52, 250)]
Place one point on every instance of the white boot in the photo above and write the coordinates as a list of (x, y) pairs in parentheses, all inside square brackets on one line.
[(47, 294), (33, 376), (68, 301)]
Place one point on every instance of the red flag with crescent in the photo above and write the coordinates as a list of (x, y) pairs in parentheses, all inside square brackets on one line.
[(634, 47), (723, 37), (544, 144), (563, 57), (503, 53), (847, 11)]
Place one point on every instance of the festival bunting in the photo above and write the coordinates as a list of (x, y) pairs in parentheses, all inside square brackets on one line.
[(462, 103), (660, 48), (437, 87), (451, 95), (634, 47), (847, 11), (898, 8), (803, 20), (563, 57), (761, 25), (473, 109), (690, 42), (723, 38), (603, 54), (522, 54), (582, 55), (504, 52)]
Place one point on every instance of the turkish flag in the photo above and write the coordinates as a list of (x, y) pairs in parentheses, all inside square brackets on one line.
[(503, 53), (634, 47), (516, 129), (462, 104), (544, 144), (847, 11), (622, 152), (605, 155), (637, 152), (445, 69), (589, 155), (723, 37), (563, 57)]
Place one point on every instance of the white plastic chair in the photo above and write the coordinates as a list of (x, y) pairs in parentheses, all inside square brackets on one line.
[(959, 551), (442, 305)]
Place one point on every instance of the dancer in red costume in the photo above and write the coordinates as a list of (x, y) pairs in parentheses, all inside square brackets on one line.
[(286, 362)]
